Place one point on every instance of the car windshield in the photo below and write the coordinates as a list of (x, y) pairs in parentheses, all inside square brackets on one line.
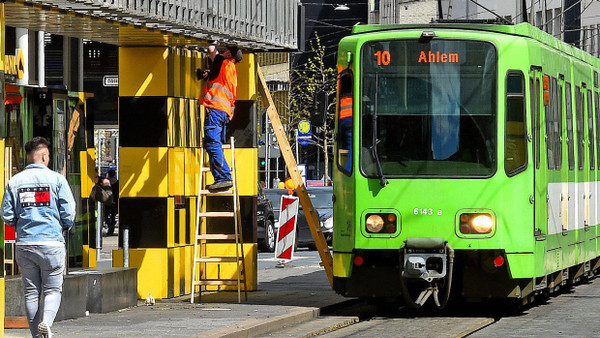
[(275, 199), (428, 108), (321, 199)]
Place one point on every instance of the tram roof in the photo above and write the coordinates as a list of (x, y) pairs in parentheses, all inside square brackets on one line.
[(523, 30)]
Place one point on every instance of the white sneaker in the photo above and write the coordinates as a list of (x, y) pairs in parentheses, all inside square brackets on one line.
[(44, 330)]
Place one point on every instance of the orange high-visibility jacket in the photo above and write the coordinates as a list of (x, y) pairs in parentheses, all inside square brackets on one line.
[(345, 107), (220, 93)]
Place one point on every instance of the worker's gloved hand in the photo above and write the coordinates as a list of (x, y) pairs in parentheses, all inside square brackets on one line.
[(202, 74)]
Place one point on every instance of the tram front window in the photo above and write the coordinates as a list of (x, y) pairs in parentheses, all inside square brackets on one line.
[(428, 108)]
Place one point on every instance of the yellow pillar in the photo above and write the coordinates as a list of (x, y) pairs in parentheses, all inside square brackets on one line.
[(2, 51), (160, 130)]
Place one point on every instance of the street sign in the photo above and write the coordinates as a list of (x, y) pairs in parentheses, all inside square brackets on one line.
[(110, 80), (304, 132), (302, 170), (286, 234)]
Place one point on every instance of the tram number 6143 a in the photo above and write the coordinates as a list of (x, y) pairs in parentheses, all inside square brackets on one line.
[(427, 212)]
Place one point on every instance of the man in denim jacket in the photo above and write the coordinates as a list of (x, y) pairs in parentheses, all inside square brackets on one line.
[(38, 202)]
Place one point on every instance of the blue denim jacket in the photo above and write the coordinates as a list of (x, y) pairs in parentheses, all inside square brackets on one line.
[(39, 203)]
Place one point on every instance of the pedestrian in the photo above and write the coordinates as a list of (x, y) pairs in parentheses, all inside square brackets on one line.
[(218, 97), (111, 210), (38, 202)]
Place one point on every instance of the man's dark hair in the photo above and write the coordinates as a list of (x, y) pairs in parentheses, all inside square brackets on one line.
[(112, 173), (35, 143), (236, 53)]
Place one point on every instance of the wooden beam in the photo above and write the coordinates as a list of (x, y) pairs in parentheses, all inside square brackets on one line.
[(290, 161)]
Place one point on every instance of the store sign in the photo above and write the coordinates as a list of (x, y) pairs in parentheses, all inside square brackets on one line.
[(110, 80), (15, 64)]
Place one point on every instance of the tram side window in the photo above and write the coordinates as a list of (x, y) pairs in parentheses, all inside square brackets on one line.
[(590, 121), (550, 127), (536, 125), (558, 123), (579, 126), (556, 102), (597, 110), (515, 152), (570, 143), (345, 109)]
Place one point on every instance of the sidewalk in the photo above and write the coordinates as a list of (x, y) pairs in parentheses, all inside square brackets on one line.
[(285, 296)]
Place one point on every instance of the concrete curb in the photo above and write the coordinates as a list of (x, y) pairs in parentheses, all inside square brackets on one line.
[(255, 327), (336, 326)]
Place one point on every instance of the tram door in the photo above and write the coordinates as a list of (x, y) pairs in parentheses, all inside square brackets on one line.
[(540, 187)]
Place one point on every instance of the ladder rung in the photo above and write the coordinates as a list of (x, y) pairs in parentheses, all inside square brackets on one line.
[(232, 282), (208, 259), (205, 169), (226, 146), (215, 193), (218, 236), (216, 214)]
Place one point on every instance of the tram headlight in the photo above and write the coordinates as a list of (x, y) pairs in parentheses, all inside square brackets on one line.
[(374, 223), (476, 223), (381, 223)]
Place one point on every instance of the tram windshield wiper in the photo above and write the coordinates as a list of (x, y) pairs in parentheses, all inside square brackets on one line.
[(382, 180)]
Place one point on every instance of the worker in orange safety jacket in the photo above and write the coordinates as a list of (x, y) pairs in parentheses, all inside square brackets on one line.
[(218, 97)]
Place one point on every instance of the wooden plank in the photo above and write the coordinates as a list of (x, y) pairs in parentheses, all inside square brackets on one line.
[(217, 193), (207, 259), (229, 282), (217, 237), (16, 323), (290, 161), (216, 214)]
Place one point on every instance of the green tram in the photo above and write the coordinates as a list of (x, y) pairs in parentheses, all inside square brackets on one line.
[(467, 159)]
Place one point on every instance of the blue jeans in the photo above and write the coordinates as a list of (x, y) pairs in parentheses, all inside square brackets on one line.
[(42, 269), (215, 128)]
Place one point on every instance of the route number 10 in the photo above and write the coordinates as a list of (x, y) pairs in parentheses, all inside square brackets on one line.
[(383, 58)]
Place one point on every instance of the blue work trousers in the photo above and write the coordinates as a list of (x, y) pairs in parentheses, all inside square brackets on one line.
[(215, 128), (42, 269)]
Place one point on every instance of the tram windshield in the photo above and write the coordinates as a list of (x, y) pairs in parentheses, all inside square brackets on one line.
[(428, 108)]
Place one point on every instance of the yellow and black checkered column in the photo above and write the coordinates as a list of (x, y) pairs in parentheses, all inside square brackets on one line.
[(159, 140), (160, 131)]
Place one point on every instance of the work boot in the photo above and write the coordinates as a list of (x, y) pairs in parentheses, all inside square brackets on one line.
[(220, 185)]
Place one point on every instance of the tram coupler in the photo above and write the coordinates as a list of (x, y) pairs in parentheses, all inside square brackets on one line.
[(425, 258), (429, 259)]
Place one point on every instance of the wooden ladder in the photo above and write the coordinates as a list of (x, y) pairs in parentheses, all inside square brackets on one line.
[(202, 238)]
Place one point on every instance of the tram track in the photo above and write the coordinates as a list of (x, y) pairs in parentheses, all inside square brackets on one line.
[(459, 321)]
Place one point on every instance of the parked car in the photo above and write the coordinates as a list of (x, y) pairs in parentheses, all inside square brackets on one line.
[(319, 196), (265, 222)]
